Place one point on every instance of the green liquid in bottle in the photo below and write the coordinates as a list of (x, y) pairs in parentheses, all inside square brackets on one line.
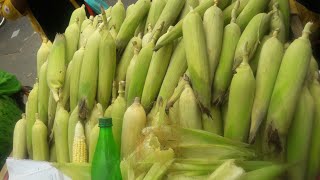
[(106, 159)]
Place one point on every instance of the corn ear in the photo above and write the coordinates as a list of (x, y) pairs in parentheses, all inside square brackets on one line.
[(168, 15), (197, 59), (43, 96), (269, 63), (178, 90), (107, 68), (72, 35), (223, 74), (130, 9), (155, 11), (72, 122), (52, 106), (134, 120), (174, 113), (94, 135), (40, 145), (249, 11), (186, 8), (108, 111), (85, 23), (118, 110), (56, 65), (130, 70), (299, 135), (189, 110), (213, 122), (227, 170), (213, 29), (19, 147), (259, 23), (42, 55), (122, 68), (156, 73), (147, 36), (284, 7), (277, 22), (80, 14), (79, 148), (255, 59), (60, 131), (75, 77), (177, 66), (131, 22), (31, 110), (141, 26), (96, 113), (314, 152), (86, 33), (139, 73), (64, 94), (279, 117), (118, 14), (270, 172), (89, 75), (227, 12), (53, 154), (242, 91)]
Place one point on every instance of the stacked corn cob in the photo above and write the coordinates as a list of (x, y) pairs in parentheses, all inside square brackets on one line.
[(189, 84)]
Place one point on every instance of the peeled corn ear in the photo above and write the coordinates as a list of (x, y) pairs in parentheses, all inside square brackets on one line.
[(72, 122), (79, 147)]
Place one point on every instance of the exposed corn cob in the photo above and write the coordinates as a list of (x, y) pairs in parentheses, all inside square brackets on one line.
[(189, 110), (72, 35), (108, 111), (94, 135), (242, 91), (156, 73), (197, 59), (250, 10), (147, 36), (134, 120), (56, 65), (72, 122), (89, 75), (135, 43), (155, 11), (176, 31), (40, 145), (168, 15), (187, 6), (269, 63), (140, 70), (79, 147), (96, 113), (279, 116), (107, 68), (86, 33), (259, 23), (177, 66), (43, 94), (79, 13), (277, 22), (118, 110), (299, 135), (178, 90), (19, 147), (130, 70), (60, 131), (118, 14), (53, 154), (85, 23), (314, 153), (74, 78), (31, 110), (131, 22), (64, 93), (223, 75), (213, 29), (52, 106), (42, 55)]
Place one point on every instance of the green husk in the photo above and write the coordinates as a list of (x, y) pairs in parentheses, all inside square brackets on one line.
[(43, 97), (154, 13)]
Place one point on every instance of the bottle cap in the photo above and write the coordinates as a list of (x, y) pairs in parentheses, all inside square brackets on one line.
[(105, 122)]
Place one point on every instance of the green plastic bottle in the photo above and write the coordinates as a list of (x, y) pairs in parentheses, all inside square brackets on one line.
[(106, 159)]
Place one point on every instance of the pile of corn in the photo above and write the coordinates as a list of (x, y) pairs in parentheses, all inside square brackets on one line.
[(197, 89)]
